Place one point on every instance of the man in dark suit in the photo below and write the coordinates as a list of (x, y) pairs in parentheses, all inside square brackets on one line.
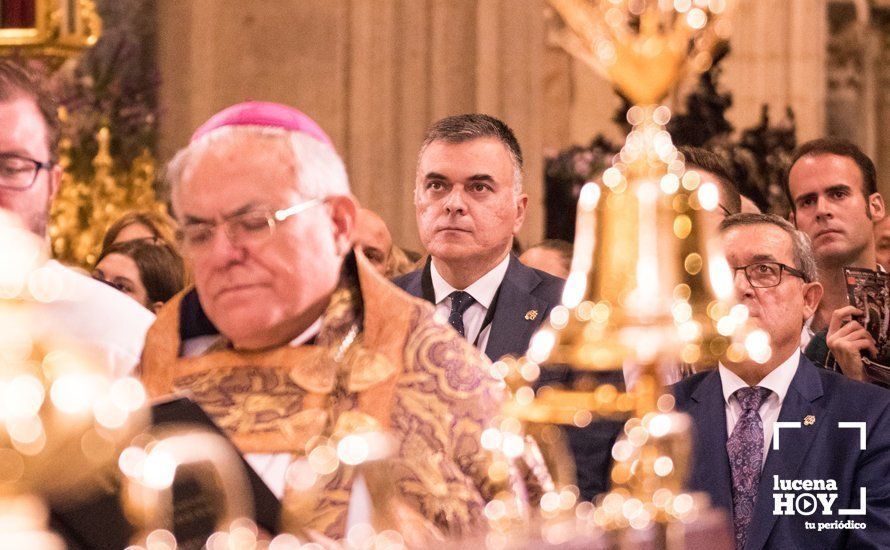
[(798, 456), (469, 203)]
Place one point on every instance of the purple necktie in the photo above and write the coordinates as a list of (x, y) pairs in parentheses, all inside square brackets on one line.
[(745, 449), (460, 301)]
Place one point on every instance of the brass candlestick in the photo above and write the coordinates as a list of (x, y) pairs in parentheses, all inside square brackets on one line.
[(649, 289), (84, 209)]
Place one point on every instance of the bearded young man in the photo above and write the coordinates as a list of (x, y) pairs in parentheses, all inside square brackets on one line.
[(105, 326)]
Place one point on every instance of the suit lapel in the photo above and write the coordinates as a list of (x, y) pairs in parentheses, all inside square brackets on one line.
[(427, 292), (794, 443), (412, 283), (510, 329), (710, 470)]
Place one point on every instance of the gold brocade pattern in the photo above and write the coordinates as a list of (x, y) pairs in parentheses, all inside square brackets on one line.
[(405, 371)]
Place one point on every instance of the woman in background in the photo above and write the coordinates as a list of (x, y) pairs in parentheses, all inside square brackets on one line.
[(149, 272)]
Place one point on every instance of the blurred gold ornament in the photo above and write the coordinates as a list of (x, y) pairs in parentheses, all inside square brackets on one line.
[(649, 290), (53, 29), (62, 419), (83, 210), (660, 295), (644, 47), (25, 520), (151, 465)]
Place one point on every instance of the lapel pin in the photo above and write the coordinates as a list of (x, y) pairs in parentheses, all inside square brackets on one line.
[(531, 314), (809, 420)]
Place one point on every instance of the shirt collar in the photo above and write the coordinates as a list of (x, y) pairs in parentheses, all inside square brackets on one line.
[(199, 345), (778, 380), (482, 290)]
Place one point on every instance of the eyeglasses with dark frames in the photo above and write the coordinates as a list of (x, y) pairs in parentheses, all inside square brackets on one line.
[(18, 172), (768, 274)]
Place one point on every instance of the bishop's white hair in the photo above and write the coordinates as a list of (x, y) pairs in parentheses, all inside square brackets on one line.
[(320, 171)]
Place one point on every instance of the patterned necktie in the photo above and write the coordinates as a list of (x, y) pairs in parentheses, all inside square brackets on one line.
[(745, 449), (460, 302)]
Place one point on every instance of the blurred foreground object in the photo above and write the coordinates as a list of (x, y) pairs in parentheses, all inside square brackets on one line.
[(649, 290), (62, 418)]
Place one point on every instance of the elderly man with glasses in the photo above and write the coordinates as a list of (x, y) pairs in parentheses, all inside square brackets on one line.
[(290, 337), (833, 429)]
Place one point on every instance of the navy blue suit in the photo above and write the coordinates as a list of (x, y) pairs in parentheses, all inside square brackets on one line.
[(820, 451), (523, 289)]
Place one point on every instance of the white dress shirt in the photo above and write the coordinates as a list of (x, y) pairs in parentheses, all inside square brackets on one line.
[(777, 381), (483, 291)]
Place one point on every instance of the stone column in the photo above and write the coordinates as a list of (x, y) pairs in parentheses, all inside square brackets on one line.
[(778, 58)]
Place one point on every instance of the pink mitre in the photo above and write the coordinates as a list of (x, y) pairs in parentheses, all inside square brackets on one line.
[(262, 113)]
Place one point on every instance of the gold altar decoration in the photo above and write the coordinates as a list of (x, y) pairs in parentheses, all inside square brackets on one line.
[(649, 293), (83, 209), (54, 29)]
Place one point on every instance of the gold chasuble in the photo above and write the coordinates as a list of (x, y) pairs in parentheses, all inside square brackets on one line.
[(381, 361)]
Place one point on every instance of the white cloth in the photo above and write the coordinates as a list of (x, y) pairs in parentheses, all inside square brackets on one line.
[(104, 325), (482, 290), (778, 381)]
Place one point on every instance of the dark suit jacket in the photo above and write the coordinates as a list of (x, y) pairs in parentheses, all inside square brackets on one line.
[(821, 450), (524, 289)]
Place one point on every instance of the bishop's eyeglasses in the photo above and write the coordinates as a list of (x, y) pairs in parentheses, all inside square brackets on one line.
[(244, 229)]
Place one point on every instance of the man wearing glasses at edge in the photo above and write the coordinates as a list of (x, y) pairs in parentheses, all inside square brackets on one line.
[(105, 326), (735, 408), (301, 337)]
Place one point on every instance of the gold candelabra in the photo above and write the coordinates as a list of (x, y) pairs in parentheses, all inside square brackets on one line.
[(649, 292), (69, 431), (84, 209)]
